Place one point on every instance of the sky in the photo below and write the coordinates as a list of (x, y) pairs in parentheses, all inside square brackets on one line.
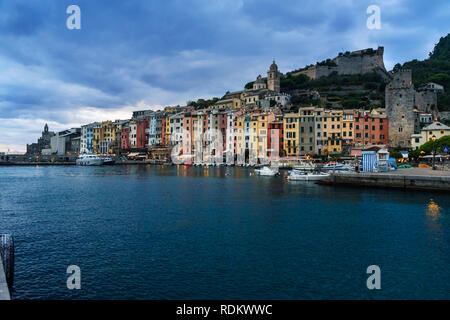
[(147, 54)]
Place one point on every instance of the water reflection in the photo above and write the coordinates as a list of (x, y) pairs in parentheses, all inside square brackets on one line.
[(433, 210)]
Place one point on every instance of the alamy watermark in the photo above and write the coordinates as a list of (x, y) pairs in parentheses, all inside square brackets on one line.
[(374, 20), (74, 20), (374, 280), (74, 280)]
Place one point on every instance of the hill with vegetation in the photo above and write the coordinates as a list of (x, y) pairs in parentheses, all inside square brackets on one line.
[(434, 69), (367, 90)]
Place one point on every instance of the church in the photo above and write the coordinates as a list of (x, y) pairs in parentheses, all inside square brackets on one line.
[(42, 143)]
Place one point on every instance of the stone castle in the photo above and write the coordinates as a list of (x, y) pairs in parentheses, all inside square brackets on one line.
[(399, 95), (404, 103), (356, 62)]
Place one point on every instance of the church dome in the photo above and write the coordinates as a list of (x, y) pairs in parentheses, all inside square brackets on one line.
[(273, 66), (259, 79)]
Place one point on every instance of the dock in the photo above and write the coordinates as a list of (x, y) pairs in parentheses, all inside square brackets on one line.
[(6, 266), (408, 179)]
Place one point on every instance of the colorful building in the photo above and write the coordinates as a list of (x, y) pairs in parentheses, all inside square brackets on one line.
[(370, 128), (291, 136)]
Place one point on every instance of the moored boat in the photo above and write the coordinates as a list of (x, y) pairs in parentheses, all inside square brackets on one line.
[(334, 166), (266, 171), (307, 176), (108, 161), (305, 165), (89, 160)]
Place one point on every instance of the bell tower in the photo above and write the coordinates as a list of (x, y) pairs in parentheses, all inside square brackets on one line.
[(273, 78)]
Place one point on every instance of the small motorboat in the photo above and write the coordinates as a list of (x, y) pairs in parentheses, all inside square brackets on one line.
[(89, 160), (297, 175), (305, 165), (267, 171), (108, 161), (334, 166)]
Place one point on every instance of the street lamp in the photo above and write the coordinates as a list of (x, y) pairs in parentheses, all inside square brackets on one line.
[(433, 138)]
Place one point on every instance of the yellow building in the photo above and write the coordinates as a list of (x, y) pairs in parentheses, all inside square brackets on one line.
[(240, 138), (97, 131), (291, 134), (231, 103), (106, 136), (167, 133), (332, 131), (347, 132), (435, 130), (263, 120)]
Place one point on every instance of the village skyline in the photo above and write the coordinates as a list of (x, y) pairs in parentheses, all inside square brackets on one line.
[(72, 77)]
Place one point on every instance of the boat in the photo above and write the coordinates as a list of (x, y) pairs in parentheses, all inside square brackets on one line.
[(334, 166), (89, 160), (298, 175), (108, 161), (267, 171), (305, 165)]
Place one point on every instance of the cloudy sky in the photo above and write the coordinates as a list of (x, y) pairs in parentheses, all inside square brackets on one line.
[(140, 54)]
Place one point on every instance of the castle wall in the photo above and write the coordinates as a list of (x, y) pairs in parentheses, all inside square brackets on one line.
[(358, 62), (426, 101)]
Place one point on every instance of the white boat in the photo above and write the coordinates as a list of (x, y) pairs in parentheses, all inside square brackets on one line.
[(266, 171), (307, 176), (334, 166), (305, 165), (89, 160)]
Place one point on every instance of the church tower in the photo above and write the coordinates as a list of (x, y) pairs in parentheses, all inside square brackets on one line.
[(273, 78)]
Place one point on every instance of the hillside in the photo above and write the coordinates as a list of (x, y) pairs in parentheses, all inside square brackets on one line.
[(434, 69), (366, 90)]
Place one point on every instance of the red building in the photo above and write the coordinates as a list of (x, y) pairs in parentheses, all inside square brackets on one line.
[(141, 135), (125, 138), (275, 138), (370, 128)]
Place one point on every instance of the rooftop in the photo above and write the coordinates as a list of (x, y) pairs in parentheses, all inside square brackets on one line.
[(436, 126)]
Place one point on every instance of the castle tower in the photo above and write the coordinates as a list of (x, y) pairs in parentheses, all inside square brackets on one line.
[(400, 109), (273, 78), (45, 128)]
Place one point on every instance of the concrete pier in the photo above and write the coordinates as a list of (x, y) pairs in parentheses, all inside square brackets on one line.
[(4, 290), (6, 266), (409, 179)]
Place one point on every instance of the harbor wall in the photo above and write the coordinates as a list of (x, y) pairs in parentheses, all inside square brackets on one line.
[(413, 182)]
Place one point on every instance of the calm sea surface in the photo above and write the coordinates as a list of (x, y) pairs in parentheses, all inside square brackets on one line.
[(147, 232)]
